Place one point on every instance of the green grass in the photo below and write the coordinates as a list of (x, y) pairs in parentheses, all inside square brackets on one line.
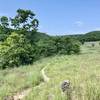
[(83, 71), (17, 79)]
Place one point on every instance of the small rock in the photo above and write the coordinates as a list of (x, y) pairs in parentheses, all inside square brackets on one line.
[(65, 85)]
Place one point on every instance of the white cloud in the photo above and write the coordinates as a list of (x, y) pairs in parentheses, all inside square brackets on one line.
[(79, 23)]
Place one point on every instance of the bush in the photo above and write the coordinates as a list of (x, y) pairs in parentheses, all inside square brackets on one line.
[(67, 45), (57, 45), (45, 47), (15, 51), (26, 45), (72, 46)]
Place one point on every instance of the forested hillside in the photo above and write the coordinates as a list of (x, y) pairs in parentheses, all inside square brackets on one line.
[(22, 44), (86, 37)]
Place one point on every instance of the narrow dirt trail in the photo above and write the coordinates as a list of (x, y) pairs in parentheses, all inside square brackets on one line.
[(45, 77), (24, 93)]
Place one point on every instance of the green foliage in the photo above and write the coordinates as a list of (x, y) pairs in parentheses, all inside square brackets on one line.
[(88, 37), (15, 80), (15, 51), (83, 72), (92, 36), (67, 45), (4, 30), (21, 44), (57, 45), (4, 21), (24, 20), (46, 47)]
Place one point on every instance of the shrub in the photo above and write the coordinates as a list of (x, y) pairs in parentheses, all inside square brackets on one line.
[(15, 51), (67, 45), (21, 44), (72, 46), (45, 47), (57, 45)]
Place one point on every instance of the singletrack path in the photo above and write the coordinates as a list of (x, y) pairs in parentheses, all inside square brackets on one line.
[(24, 93)]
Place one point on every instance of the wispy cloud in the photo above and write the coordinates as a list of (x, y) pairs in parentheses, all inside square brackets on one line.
[(79, 23)]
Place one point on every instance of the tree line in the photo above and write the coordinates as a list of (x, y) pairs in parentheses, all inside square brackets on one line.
[(88, 37), (22, 44)]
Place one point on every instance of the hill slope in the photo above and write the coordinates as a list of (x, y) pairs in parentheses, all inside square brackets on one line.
[(90, 36), (81, 70)]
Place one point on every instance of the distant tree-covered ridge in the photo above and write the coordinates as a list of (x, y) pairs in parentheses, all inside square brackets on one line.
[(92, 36), (21, 43), (87, 37)]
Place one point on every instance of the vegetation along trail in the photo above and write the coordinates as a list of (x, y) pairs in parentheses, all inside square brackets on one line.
[(27, 56), (24, 93)]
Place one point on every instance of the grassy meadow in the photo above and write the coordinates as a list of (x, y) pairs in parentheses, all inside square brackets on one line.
[(83, 72), (18, 79)]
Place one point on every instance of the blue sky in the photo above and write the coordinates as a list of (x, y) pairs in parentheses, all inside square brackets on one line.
[(59, 17)]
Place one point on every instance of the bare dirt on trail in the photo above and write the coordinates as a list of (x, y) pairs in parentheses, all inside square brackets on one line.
[(24, 93)]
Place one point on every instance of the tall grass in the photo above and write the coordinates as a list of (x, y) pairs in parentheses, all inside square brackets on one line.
[(18, 79), (83, 71)]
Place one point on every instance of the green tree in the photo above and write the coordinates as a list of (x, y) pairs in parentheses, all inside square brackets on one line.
[(46, 47), (16, 51), (4, 21), (15, 23), (25, 20), (66, 45), (4, 28)]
